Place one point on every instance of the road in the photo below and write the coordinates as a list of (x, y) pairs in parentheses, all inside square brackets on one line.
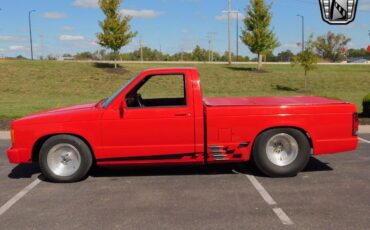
[(331, 193)]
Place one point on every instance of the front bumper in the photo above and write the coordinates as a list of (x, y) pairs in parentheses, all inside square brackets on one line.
[(19, 155)]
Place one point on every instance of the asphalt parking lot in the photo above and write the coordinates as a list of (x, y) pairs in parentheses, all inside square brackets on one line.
[(333, 192)]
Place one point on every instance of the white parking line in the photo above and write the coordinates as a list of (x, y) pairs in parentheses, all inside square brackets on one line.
[(18, 196), (262, 191), (364, 140), (284, 218)]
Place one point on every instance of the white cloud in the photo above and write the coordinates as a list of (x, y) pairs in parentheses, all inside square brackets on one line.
[(93, 43), (364, 5), (67, 28), (141, 13), (290, 45), (54, 15), (8, 38), (125, 12), (225, 16), (66, 37), (184, 31), (86, 3), (16, 47)]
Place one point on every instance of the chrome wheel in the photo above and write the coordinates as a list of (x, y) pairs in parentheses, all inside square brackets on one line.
[(63, 159), (282, 149)]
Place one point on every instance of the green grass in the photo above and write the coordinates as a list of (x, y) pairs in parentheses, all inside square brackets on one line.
[(26, 86)]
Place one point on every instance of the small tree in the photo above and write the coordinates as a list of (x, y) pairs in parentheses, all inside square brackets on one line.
[(116, 29), (307, 59), (257, 34)]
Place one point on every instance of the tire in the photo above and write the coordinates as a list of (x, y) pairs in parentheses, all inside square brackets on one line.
[(65, 159), (281, 152)]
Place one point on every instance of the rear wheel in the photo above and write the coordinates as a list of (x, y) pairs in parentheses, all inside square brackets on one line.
[(281, 152), (65, 158)]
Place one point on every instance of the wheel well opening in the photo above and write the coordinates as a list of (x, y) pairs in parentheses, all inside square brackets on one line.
[(286, 127), (38, 144)]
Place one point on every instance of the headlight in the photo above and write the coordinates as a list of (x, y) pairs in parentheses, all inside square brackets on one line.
[(12, 136)]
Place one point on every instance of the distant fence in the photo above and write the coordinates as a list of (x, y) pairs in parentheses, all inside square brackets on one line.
[(209, 63)]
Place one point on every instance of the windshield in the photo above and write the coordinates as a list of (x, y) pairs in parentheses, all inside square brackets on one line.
[(109, 100)]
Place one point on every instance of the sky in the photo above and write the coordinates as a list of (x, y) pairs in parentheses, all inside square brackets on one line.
[(70, 26)]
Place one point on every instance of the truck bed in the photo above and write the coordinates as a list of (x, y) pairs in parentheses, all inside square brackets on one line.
[(232, 122), (270, 101)]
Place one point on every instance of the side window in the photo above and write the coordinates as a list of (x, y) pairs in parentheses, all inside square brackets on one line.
[(159, 91)]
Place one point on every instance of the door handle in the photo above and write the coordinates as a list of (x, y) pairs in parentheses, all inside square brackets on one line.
[(183, 114)]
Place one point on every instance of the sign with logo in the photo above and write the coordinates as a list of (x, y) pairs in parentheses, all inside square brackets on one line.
[(338, 12)]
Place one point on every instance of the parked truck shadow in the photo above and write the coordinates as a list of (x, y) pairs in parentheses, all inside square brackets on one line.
[(28, 170), (242, 168), (24, 171)]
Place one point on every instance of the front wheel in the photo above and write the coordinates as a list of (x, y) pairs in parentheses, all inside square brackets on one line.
[(65, 158), (281, 152)]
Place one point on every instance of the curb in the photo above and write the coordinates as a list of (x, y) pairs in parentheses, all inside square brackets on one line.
[(4, 135), (364, 129)]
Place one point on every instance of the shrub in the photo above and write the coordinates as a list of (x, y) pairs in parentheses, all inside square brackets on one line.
[(366, 105)]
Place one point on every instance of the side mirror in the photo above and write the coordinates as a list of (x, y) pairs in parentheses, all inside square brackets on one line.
[(122, 107)]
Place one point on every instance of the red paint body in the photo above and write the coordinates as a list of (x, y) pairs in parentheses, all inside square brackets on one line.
[(119, 135)]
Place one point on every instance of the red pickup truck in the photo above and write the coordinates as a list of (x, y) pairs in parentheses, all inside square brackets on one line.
[(159, 117)]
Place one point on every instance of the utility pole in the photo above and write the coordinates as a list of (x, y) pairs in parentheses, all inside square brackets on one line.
[(211, 36), (29, 24), (1, 56), (237, 36), (160, 52), (42, 46), (229, 13), (302, 17), (230, 25), (141, 51), (209, 50)]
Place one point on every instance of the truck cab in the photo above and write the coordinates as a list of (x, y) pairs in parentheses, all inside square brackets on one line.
[(160, 119)]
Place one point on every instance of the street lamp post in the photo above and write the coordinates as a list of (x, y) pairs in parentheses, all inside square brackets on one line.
[(230, 24), (302, 17), (237, 36), (29, 24)]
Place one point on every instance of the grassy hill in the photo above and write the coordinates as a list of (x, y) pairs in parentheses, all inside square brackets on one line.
[(26, 86)]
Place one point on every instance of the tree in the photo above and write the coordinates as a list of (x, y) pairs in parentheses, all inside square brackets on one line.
[(20, 57), (257, 34), (331, 46), (270, 57), (116, 29), (85, 56), (285, 56), (358, 53), (307, 59), (199, 54)]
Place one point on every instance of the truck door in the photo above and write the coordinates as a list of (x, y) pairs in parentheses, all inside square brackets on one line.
[(157, 121)]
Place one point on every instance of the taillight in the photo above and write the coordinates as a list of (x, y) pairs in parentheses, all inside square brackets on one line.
[(355, 124), (12, 136)]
